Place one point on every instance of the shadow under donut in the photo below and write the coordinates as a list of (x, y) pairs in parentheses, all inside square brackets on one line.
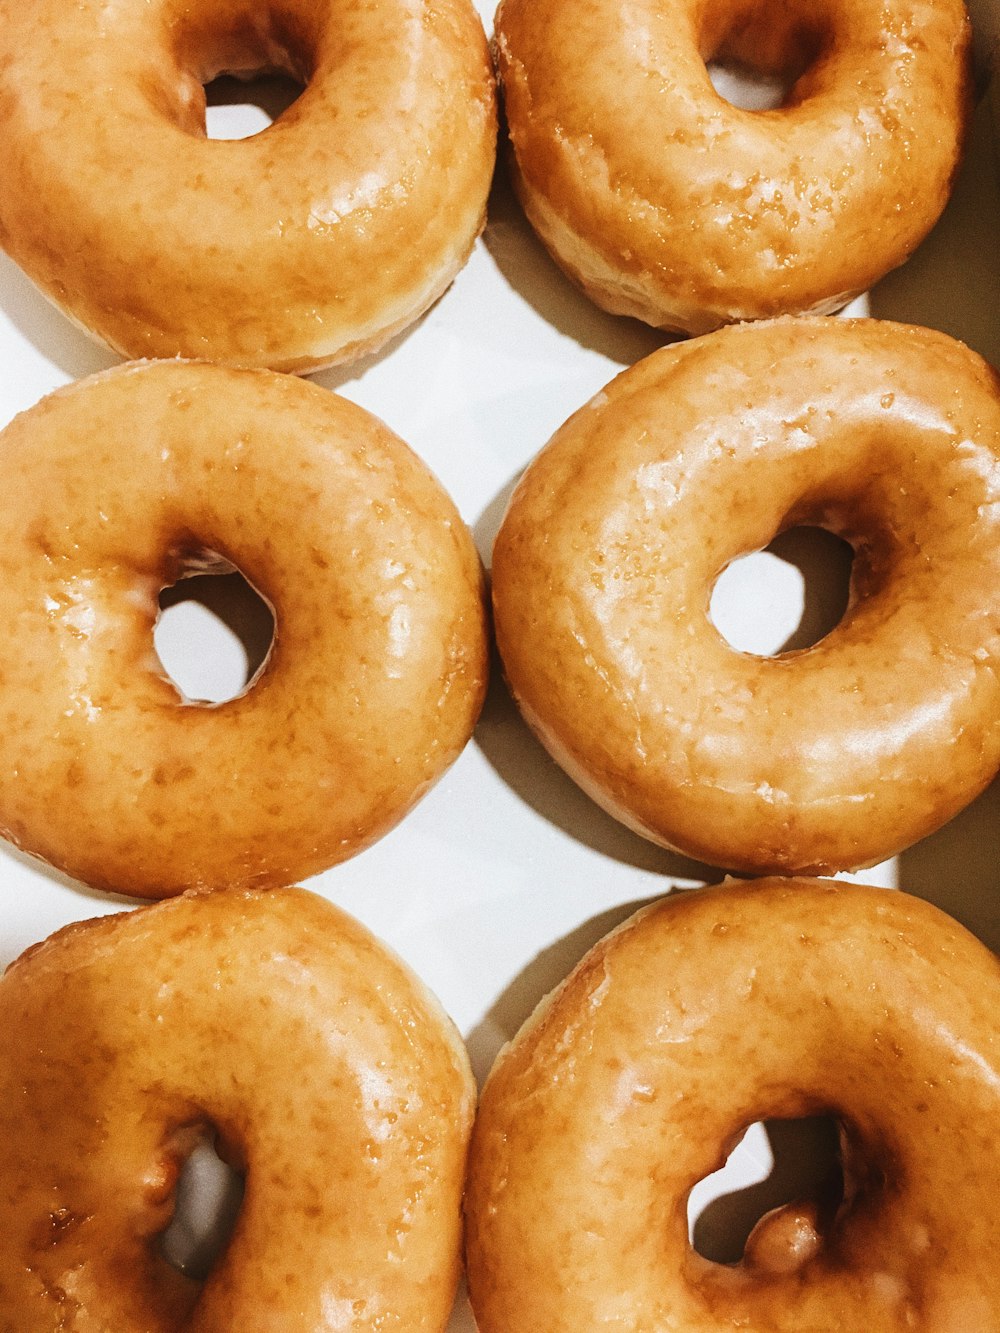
[(336, 378), (958, 867), (487, 525), (526, 266), (100, 902), (951, 282), (527, 769), (515, 1005), (47, 329)]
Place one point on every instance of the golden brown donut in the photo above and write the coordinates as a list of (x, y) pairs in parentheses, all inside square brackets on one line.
[(828, 758), (701, 1015), (310, 243), (118, 486), (329, 1073), (666, 202)]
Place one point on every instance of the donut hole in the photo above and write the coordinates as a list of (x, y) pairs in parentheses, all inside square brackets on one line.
[(240, 106), (213, 635), (206, 1204), (757, 59), (748, 89), (775, 1163), (786, 597), (239, 72)]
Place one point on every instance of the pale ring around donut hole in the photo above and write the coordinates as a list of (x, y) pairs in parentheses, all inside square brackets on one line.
[(310, 243), (829, 758), (120, 484), (667, 203), (700, 1016), (329, 1073)]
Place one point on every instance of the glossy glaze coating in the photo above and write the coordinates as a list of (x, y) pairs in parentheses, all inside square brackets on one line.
[(331, 1076), (831, 757), (118, 486), (666, 202), (309, 243), (701, 1015)]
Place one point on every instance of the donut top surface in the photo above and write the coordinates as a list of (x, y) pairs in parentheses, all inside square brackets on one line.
[(700, 1015), (668, 203), (830, 757), (328, 1074), (120, 485), (308, 243)]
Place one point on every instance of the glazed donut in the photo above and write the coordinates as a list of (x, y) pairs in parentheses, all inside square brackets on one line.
[(330, 1075), (120, 485), (699, 1016), (828, 758), (310, 243), (665, 202)]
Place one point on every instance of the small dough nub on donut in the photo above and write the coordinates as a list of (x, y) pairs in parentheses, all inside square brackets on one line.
[(711, 1011), (666, 202), (309, 243), (826, 758), (323, 1067), (119, 486)]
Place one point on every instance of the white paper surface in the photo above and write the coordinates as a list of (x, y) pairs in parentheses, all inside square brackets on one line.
[(499, 881)]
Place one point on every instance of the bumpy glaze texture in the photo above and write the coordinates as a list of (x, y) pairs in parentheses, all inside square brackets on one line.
[(330, 1075), (666, 202), (827, 758), (118, 486), (701, 1015), (309, 243)]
